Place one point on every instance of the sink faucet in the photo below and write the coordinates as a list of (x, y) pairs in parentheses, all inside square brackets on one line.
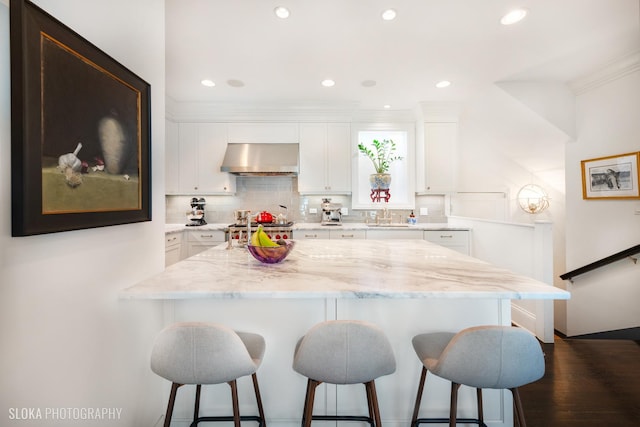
[(386, 217)]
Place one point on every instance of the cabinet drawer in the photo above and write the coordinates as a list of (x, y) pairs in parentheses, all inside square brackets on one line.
[(172, 239), (311, 234), (206, 236), (395, 234), (447, 237), (347, 234)]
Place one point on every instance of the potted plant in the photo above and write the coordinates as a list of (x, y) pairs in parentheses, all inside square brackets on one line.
[(381, 154)]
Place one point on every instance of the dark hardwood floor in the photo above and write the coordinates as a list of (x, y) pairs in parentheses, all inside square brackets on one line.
[(588, 383)]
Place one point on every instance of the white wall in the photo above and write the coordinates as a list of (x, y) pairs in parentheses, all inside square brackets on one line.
[(607, 124), (66, 339)]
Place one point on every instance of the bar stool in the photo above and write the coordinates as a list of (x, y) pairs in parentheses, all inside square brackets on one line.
[(494, 357), (208, 353), (343, 352)]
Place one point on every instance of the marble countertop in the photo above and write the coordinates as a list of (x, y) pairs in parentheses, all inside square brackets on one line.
[(175, 228), (341, 269)]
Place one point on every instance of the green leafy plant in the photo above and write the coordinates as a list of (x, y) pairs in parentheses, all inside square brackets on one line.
[(381, 154)]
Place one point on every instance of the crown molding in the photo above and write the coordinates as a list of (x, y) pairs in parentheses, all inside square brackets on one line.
[(609, 72), (212, 112)]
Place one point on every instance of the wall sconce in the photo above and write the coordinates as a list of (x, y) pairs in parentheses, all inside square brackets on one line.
[(533, 199)]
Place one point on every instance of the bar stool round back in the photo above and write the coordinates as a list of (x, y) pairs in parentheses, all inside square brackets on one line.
[(207, 353), (495, 357), (343, 352)]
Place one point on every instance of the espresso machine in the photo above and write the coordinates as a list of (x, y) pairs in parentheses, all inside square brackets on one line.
[(196, 214), (331, 213)]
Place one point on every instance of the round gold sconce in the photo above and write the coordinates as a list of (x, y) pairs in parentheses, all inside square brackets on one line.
[(533, 199)]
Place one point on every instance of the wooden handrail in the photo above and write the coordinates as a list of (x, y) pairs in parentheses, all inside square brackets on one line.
[(602, 262)]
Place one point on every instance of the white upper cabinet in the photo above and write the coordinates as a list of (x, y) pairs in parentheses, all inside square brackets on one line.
[(201, 148), (172, 158), (437, 150), (325, 158), (212, 145)]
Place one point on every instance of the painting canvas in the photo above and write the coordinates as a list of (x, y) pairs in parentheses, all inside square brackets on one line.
[(612, 177), (80, 130)]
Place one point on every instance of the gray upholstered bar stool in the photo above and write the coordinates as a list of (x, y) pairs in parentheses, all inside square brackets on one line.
[(495, 357), (343, 352), (208, 353)]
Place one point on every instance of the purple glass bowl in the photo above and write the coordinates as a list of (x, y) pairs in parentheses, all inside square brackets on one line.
[(271, 255)]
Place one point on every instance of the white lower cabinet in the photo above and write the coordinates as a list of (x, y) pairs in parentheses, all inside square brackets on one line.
[(172, 248), (347, 234), (199, 241), (311, 234), (454, 239), (401, 233)]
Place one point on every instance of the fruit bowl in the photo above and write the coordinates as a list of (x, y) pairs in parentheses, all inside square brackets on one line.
[(271, 254)]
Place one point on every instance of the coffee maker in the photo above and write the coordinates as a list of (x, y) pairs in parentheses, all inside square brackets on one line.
[(196, 214), (331, 213)]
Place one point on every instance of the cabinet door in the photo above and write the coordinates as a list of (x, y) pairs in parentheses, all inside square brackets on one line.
[(440, 162), (188, 158), (313, 153), (347, 234), (201, 151), (325, 158), (172, 158), (172, 248), (310, 234), (199, 241), (212, 144), (454, 239), (338, 157), (401, 233)]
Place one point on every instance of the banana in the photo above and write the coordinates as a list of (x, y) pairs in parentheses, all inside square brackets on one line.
[(255, 241), (265, 240)]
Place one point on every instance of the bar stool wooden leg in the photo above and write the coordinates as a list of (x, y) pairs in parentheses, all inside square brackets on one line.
[(196, 409), (369, 402), (453, 411), (263, 421), (172, 401), (480, 408), (517, 403), (308, 402), (234, 399), (371, 385), (416, 409)]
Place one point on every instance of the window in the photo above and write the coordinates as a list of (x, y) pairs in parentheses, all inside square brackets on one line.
[(402, 172)]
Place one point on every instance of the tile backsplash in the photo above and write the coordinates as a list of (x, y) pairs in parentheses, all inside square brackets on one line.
[(270, 193)]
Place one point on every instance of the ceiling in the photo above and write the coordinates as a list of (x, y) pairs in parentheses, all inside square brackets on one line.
[(282, 62)]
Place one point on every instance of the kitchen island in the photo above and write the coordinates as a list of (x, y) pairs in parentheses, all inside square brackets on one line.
[(405, 286)]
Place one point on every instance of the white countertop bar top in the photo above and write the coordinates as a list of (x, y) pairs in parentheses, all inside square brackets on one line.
[(341, 269)]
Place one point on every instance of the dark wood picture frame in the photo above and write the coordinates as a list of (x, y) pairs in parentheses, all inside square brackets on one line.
[(80, 131)]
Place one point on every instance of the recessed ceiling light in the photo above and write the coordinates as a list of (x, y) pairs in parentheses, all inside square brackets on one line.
[(514, 16), (328, 83), (235, 83), (281, 12), (207, 83), (443, 83), (386, 106), (389, 15)]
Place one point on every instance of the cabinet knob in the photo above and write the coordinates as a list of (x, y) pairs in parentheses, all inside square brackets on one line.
[(310, 236)]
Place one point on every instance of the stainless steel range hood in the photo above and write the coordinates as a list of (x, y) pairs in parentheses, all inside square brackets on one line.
[(261, 159)]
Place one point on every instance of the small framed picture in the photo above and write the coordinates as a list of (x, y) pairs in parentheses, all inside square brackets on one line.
[(612, 177)]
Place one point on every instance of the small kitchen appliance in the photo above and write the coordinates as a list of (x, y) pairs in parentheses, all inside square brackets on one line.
[(196, 214), (331, 213)]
